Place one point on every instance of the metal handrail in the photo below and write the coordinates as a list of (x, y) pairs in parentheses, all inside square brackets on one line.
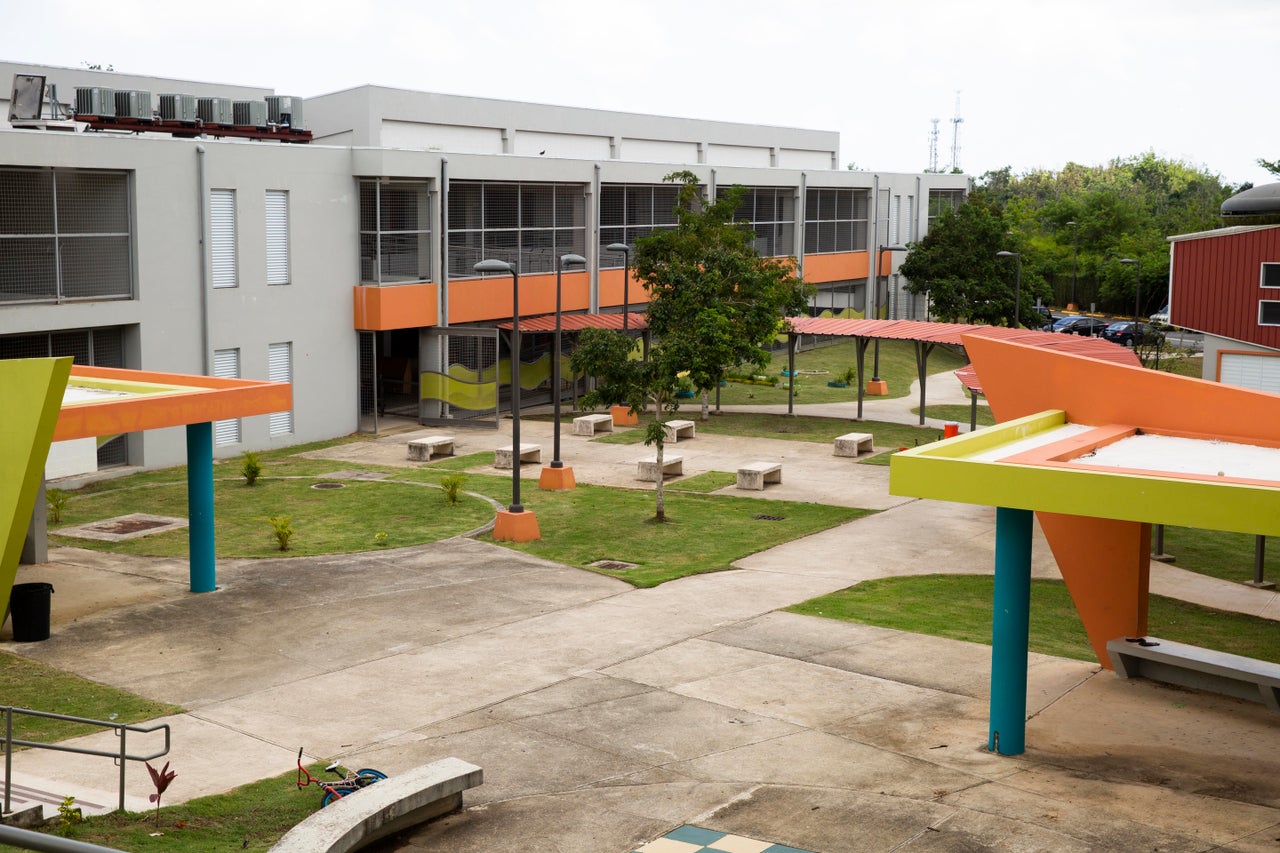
[(121, 756), (30, 840)]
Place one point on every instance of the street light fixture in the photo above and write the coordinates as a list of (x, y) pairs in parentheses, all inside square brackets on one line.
[(626, 279), (1017, 294), (1075, 259), (1137, 292), (559, 480), (493, 265)]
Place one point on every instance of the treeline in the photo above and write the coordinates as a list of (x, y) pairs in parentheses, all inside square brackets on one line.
[(1072, 228)]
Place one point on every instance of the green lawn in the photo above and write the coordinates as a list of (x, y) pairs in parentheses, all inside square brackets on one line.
[(959, 607), (29, 684), (1220, 554), (703, 533)]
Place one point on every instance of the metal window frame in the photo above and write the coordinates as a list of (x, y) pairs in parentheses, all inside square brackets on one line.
[(857, 225), (378, 232), (520, 255)]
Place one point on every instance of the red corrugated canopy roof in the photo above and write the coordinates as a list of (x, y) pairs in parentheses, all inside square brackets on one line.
[(578, 322)]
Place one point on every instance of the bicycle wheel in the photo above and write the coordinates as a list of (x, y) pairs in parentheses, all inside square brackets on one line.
[(335, 794), (367, 776)]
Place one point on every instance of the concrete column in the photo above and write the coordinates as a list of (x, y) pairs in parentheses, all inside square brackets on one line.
[(204, 572), (1009, 632)]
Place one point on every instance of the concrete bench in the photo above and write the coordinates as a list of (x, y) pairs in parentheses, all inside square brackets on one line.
[(386, 807), (1202, 669), (677, 430), (647, 469), (853, 443), (588, 424), (531, 453), (422, 449), (756, 475)]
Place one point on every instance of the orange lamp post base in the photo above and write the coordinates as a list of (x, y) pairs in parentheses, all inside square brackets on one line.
[(556, 479), (877, 388), (516, 526), (623, 416)]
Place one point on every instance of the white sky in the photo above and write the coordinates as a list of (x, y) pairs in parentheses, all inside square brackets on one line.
[(1041, 82)]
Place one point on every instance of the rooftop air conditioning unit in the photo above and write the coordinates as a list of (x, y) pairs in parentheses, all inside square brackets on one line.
[(215, 111), (133, 104), (178, 108), (95, 101), (285, 110), (250, 113)]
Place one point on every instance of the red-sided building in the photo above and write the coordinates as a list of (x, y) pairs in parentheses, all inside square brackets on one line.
[(1226, 284)]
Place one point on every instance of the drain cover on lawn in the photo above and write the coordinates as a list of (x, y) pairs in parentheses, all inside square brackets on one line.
[(328, 485), (612, 565), (123, 527), (769, 518)]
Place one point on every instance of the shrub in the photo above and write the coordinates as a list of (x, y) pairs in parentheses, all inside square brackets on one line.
[(57, 500), (282, 526), (251, 469), (451, 484)]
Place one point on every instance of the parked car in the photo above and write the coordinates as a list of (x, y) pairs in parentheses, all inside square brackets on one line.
[(1126, 332), (1079, 325), (1160, 319)]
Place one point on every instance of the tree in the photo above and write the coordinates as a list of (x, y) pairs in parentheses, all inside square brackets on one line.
[(714, 302), (956, 265), (1272, 166)]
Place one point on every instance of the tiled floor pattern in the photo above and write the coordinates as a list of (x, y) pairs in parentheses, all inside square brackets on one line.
[(695, 839)]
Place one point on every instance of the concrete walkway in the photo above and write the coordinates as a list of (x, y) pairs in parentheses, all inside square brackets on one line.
[(605, 716)]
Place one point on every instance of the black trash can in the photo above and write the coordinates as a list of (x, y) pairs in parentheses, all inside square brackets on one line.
[(29, 606)]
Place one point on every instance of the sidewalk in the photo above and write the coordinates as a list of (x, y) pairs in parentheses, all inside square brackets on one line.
[(605, 716)]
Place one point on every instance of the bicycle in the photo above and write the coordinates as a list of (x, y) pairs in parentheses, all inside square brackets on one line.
[(348, 782)]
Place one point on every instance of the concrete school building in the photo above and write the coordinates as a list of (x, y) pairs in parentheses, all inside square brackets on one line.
[(345, 265)]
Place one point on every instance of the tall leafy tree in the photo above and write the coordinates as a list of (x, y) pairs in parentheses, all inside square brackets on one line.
[(714, 302)]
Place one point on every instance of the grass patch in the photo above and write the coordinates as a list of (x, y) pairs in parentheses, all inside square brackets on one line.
[(336, 521), (1216, 553), (30, 684), (462, 463), (959, 607), (897, 367), (792, 428), (251, 817), (958, 413), (704, 533), (708, 481)]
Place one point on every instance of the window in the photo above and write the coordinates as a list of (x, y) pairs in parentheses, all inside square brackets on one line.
[(280, 369), (1268, 313), (277, 237), (631, 211), (943, 201), (226, 365), (395, 231), (65, 234), (835, 221), (895, 211), (1271, 275), (771, 213), (222, 237), (526, 225)]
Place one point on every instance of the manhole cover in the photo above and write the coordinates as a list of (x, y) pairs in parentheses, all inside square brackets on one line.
[(769, 517), (121, 526), (612, 565), (328, 485)]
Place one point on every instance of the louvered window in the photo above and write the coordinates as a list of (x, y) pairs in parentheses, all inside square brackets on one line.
[(906, 231), (527, 225), (277, 237), (771, 213), (226, 365), (280, 369), (835, 220), (895, 210), (65, 234), (395, 231), (631, 211), (222, 237)]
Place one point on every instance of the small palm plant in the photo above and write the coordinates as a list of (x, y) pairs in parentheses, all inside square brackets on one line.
[(161, 779)]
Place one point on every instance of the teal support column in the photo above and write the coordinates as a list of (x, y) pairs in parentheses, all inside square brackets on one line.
[(204, 571), (1009, 629)]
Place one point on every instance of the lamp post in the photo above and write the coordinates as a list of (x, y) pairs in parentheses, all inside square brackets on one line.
[(1075, 259), (1137, 293), (880, 387), (626, 278), (517, 530), (1017, 293), (559, 477)]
